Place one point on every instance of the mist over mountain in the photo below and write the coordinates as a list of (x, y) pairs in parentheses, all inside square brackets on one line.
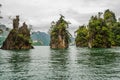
[(40, 38)]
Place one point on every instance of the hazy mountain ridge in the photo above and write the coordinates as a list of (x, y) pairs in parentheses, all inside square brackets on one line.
[(43, 39), (4, 31), (40, 38)]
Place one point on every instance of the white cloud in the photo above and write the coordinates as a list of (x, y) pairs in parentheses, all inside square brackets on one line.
[(41, 13)]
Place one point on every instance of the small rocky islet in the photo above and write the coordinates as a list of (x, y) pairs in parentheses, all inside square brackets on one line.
[(60, 37), (18, 38)]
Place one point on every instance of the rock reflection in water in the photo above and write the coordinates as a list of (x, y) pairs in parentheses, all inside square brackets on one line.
[(19, 61), (59, 64), (98, 64)]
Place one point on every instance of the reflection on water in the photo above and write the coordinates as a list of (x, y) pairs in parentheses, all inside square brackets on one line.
[(58, 62), (102, 57), (100, 64), (19, 64), (16, 65), (96, 57), (43, 63)]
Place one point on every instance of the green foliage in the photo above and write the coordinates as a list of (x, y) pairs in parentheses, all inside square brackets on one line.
[(102, 32), (38, 43), (82, 37), (99, 33), (116, 34), (109, 17), (59, 28)]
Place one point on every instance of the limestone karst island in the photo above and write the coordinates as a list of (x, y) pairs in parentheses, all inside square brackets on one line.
[(60, 37), (102, 31), (18, 38)]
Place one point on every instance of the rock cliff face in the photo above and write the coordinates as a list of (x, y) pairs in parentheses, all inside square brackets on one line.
[(59, 35), (59, 42), (18, 38)]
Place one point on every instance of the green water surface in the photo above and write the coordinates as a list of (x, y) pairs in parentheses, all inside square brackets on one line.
[(43, 63)]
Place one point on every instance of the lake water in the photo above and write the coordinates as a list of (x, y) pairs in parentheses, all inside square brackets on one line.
[(43, 63)]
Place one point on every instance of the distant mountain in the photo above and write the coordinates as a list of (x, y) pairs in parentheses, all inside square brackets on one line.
[(4, 31), (72, 41), (43, 39), (40, 38)]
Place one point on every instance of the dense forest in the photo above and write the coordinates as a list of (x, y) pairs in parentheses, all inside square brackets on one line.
[(102, 31)]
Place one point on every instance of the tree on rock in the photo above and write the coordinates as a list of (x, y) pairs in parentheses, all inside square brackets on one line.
[(116, 34), (18, 38), (82, 37), (59, 34), (102, 32), (109, 17), (99, 33)]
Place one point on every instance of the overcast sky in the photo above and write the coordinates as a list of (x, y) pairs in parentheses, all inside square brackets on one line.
[(40, 13)]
